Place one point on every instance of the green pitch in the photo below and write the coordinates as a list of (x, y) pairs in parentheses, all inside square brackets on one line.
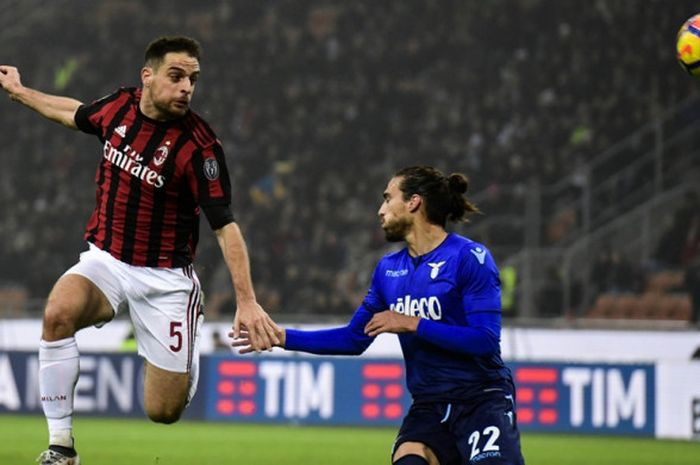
[(138, 442)]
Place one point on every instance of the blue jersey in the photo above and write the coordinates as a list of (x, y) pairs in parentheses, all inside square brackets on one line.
[(455, 289)]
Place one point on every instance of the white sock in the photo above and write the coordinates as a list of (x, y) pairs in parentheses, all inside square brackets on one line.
[(59, 365)]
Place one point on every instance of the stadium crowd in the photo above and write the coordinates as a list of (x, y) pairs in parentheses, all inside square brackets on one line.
[(316, 102)]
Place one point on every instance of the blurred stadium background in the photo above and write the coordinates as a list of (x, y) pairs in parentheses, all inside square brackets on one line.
[(578, 129), (576, 126)]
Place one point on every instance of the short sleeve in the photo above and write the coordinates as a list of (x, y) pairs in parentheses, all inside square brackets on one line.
[(82, 120), (211, 182), (90, 118)]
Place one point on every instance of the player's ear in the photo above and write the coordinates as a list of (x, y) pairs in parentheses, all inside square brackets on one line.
[(414, 203), (146, 76)]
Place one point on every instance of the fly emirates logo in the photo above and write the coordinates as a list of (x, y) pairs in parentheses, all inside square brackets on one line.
[(425, 307), (130, 161)]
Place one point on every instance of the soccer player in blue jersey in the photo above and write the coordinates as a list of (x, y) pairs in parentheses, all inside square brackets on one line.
[(441, 295)]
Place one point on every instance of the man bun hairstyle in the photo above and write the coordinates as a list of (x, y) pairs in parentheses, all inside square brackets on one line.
[(461, 208), (444, 196), (156, 50), (458, 183)]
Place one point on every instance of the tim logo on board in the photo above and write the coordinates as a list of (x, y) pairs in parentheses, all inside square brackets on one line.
[(317, 390), (270, 389), (586, 398)]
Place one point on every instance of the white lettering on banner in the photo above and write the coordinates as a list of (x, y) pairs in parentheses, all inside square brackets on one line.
[(290, 390), (610, 400), (316, 394), (98, 378), (302, 392), (576, 379), (121, 387), (598, 398), (83, 400), (9, 397), (271, 373), (626, 404)]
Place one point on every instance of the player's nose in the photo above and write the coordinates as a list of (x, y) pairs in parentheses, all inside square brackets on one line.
[(187, 86)]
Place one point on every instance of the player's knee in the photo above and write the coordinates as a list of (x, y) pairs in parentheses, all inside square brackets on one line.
[(164, 418), (165, 394), (163, 413), (58, 322)]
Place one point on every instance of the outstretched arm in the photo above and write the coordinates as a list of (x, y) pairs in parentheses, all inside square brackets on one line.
[(346, 340), (59, 109), (263, 332)]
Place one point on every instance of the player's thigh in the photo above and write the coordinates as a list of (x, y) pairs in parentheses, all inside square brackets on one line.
[(165, 309), (488, 434), (424, 433), (164, 393), (74, 303)]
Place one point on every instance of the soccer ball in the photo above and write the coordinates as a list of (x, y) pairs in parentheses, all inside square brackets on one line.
[(688, 46)]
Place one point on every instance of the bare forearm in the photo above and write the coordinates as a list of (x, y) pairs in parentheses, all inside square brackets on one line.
[(56, 108), (262, 332), (235, 254), (59, 109)]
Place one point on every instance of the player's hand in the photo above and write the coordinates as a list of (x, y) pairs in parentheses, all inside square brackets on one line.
[(9, 80), (243, 341), (262, 331), (391, 322)]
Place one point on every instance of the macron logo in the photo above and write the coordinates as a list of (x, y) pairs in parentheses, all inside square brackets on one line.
[(480, 254), (396, 273), (121, 130)]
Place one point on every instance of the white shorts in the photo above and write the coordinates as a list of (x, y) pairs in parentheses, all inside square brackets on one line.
[(165, 305)]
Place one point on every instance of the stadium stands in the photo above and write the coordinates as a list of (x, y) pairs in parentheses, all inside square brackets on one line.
[(317, 102), (664, 298)]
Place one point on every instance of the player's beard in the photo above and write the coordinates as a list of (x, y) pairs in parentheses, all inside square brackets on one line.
[(397, 230), (171, 110), (166, 106)]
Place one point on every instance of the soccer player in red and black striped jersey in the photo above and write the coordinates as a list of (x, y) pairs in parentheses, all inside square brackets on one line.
[(160, 163)]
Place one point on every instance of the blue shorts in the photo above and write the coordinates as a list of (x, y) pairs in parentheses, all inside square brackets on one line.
[(483, 432)]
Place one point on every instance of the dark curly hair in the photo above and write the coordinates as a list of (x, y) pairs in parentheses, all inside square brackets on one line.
[(444, 196)]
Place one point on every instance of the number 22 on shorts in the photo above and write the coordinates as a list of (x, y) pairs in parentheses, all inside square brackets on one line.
[(491, 433)]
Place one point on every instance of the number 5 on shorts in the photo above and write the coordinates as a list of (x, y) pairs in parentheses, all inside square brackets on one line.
[(176, 332)]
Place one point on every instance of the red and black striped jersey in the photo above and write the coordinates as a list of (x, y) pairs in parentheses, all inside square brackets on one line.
[(151, 181)]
